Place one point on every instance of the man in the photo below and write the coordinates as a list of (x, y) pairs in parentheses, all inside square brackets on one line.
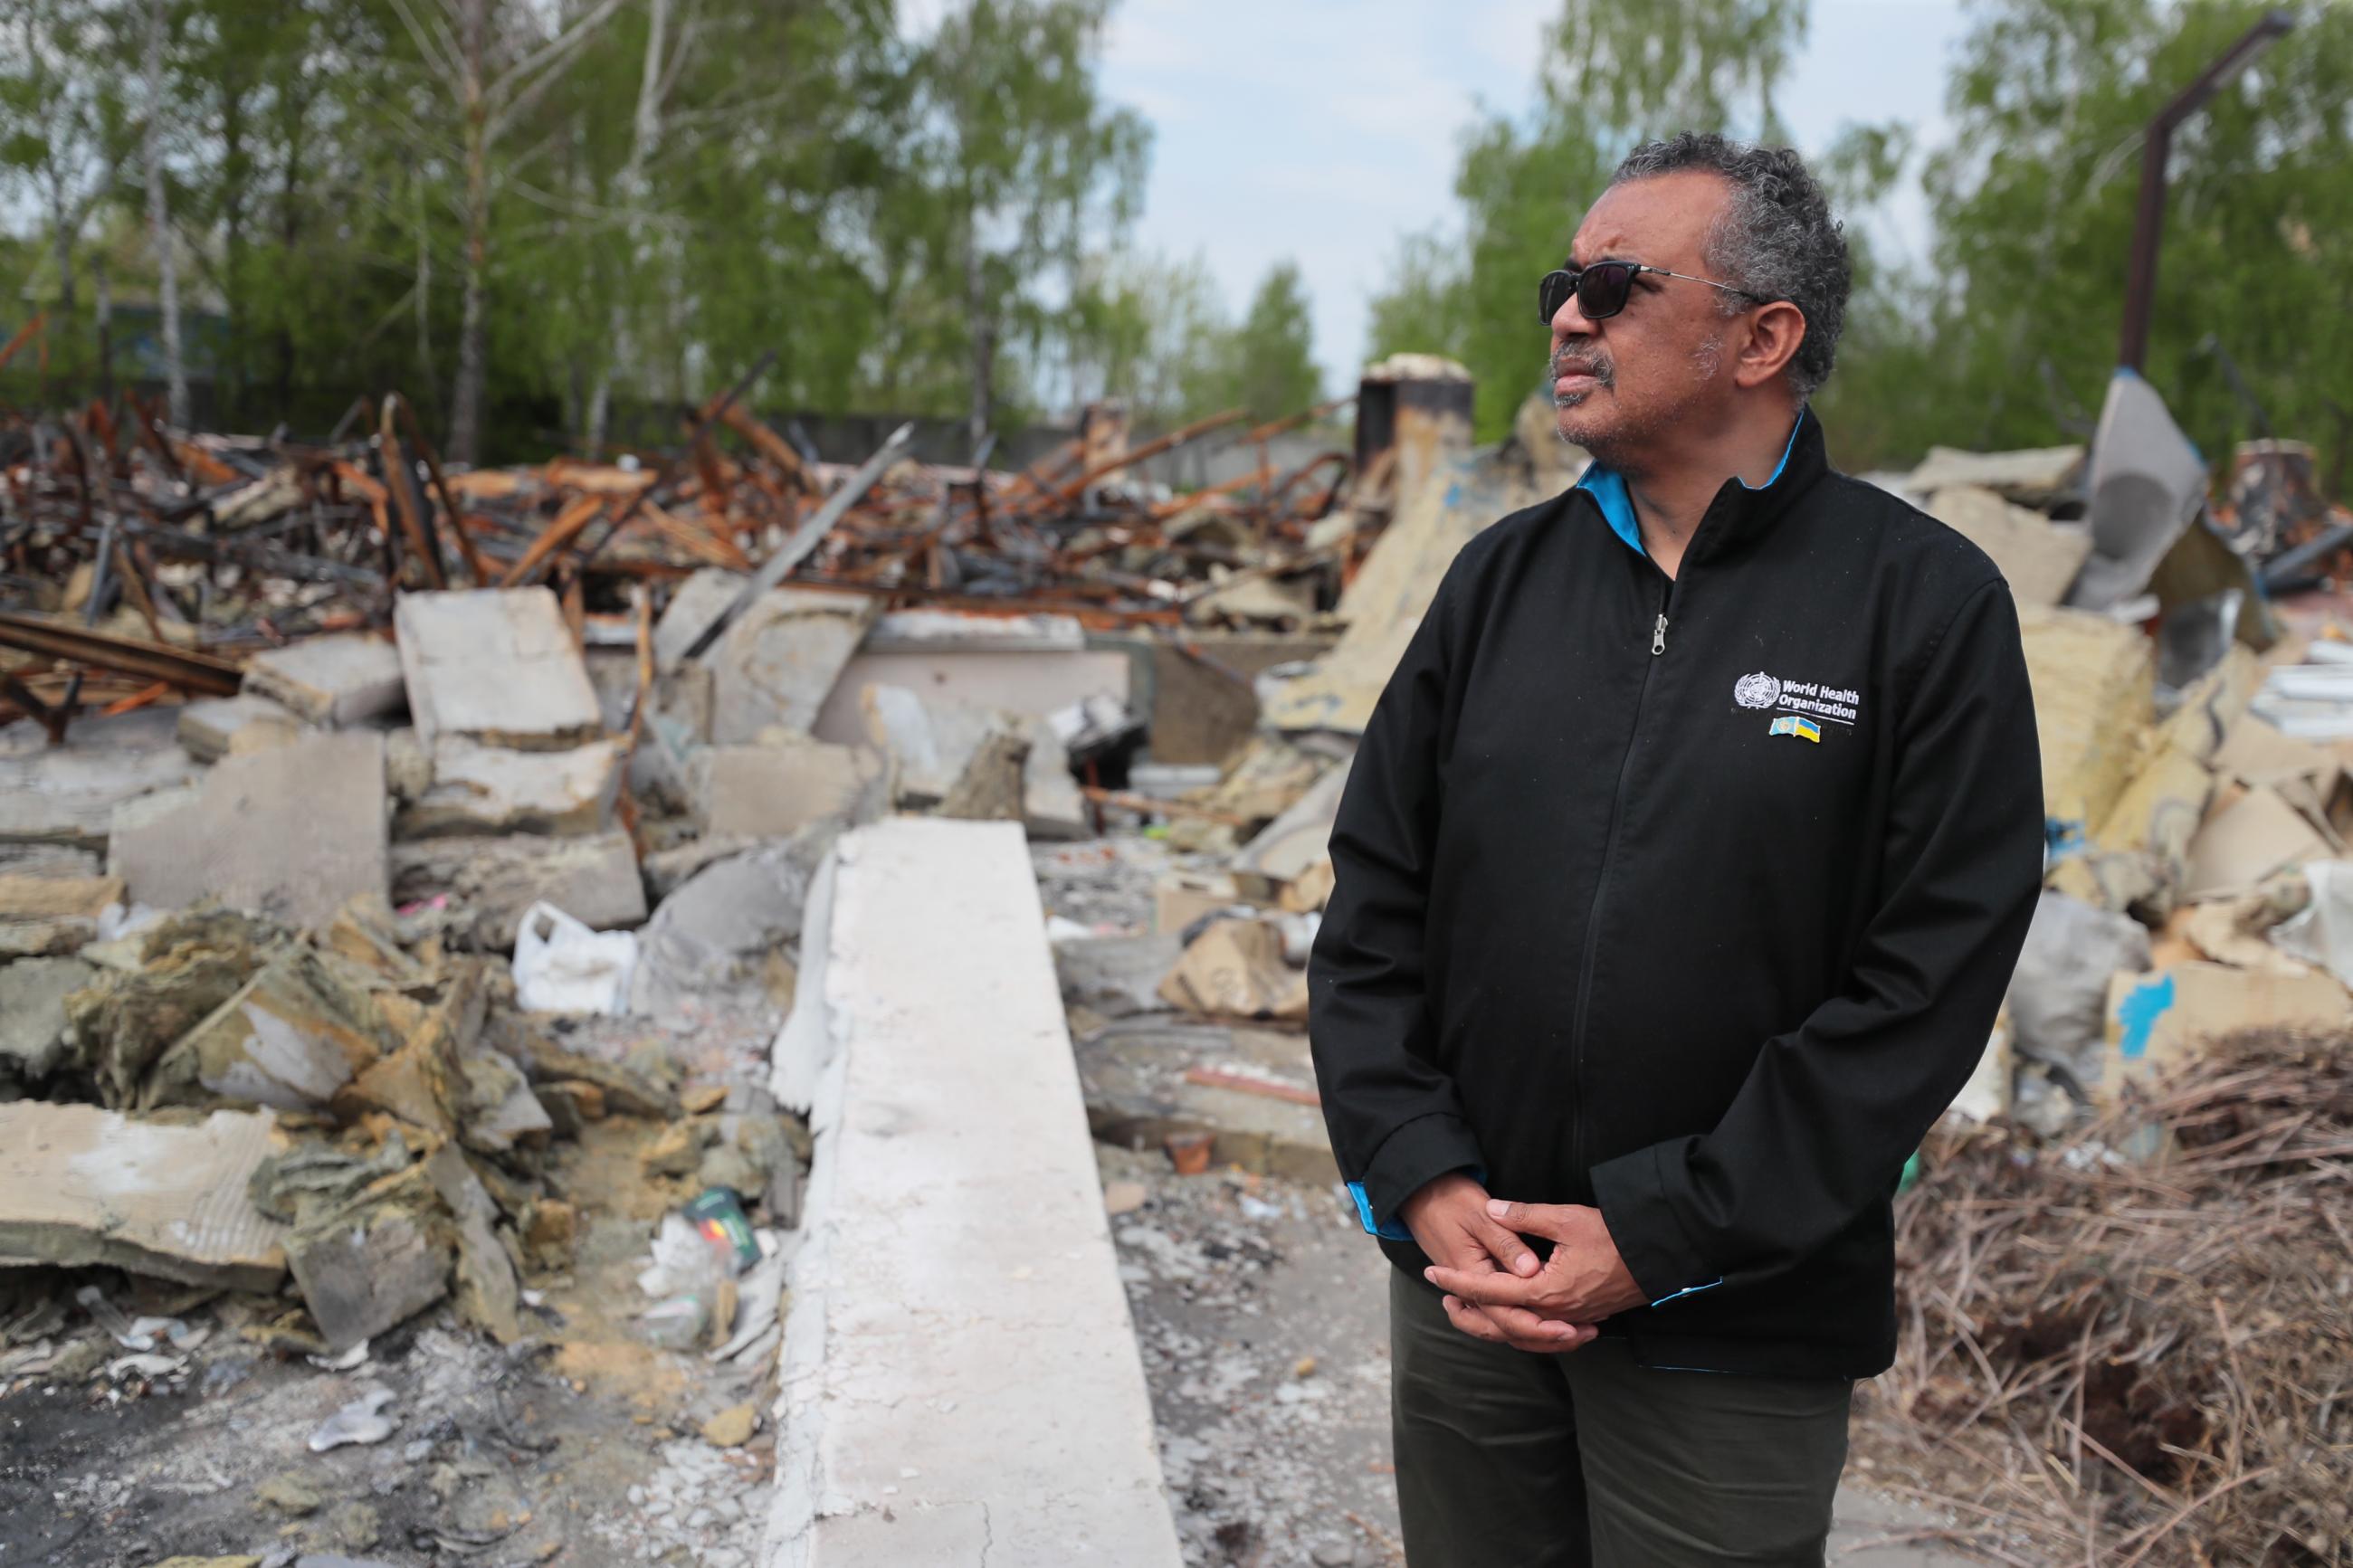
[(1679, 874)]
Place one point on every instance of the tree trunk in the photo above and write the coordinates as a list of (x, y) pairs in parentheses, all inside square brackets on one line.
[(234, 175), (466, 400), (61, 245), (645, 133), (105, 296), (159, 220), (983, 334)]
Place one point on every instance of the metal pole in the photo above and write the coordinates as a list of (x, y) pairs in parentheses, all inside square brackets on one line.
[(2157, 149)]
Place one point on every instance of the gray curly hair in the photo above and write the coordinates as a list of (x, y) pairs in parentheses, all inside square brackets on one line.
[(1776, 239)]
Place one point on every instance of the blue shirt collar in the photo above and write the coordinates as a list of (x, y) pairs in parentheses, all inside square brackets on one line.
[(1608, 487)]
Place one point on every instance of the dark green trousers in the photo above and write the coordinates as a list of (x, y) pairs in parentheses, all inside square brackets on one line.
[(1506, 1459)]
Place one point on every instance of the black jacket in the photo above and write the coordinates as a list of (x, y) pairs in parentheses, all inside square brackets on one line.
[(1694, 900)]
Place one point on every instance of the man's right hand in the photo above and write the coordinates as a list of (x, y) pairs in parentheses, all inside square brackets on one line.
[(1448, 1218)]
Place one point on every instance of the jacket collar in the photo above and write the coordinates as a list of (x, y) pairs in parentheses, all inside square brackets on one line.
[(1739, 510)]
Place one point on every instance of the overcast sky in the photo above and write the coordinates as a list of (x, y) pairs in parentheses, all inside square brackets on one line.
[(1322, 130)]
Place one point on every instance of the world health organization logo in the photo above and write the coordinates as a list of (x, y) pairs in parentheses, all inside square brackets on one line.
[(1759, 690)]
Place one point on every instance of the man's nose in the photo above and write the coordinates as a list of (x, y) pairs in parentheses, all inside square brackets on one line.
[(1571, 321)]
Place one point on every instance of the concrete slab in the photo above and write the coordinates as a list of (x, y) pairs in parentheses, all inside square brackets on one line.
[(292, 833), (81, 1187), (495, 665), (774, 791), (1031, 683), (720, 937), (694, 604), (67, 795), (1204, 701), (591, 879), (936, 743), (212, 729), (340, 681), (958, 1349), (776, 665), (481, 789)]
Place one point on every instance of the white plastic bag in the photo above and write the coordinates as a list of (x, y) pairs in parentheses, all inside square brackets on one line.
[(563, 966)]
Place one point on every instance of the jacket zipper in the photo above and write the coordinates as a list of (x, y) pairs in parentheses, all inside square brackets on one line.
[(1593, 914)]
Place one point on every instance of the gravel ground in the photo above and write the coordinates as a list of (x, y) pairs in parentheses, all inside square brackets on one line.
[(1259, 1308)]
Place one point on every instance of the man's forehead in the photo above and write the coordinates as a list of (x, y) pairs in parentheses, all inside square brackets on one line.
[(1663, 221)]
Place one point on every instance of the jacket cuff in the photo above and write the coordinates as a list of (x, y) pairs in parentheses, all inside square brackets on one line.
[(1631, 1192), (1421, 1150)]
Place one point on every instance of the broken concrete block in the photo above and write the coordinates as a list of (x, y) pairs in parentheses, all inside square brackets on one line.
[(593, 879), (67, 794), (668, 871), (990, 788), (722, 935), (291, 833), (369, 1266), (1052, 805), (694, 605), (774, 791), (218, 726), (81, 1187), (774, 666), (491, 789), (336, 681), (930, 740), (33, 1012), (1235, 968), (295, 1034), (497, 666)]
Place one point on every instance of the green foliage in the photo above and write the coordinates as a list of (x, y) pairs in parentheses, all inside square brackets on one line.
[(2034, 207), (1613, 76), (793, 174), (1273, 357)]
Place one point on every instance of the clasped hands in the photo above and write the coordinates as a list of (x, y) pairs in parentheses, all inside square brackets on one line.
[(1495, 1289)]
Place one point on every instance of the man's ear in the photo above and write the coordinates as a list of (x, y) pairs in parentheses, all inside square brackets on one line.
[(1774, 333)]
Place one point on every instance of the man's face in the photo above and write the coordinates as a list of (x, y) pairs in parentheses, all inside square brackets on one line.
[(1620, 381)]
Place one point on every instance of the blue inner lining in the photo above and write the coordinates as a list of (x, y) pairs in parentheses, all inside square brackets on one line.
[(1608, 487)]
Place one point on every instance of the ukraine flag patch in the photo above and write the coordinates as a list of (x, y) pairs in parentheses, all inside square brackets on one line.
[(1804, 728)]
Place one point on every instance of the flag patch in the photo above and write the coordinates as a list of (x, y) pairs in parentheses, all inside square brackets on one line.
[(1804, 728)]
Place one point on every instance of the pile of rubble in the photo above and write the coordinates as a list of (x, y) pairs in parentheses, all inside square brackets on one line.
[(150, 557)]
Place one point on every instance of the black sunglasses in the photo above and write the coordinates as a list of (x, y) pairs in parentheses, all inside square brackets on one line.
[(1603, 289)]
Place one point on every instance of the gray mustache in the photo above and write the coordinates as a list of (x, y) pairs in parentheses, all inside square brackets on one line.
[(1598, 368)]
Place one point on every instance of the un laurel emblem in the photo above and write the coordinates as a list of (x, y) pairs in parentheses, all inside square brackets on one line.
[(1759, 690)]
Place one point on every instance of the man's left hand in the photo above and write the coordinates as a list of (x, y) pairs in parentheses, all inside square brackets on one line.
[(1584, 1281)]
